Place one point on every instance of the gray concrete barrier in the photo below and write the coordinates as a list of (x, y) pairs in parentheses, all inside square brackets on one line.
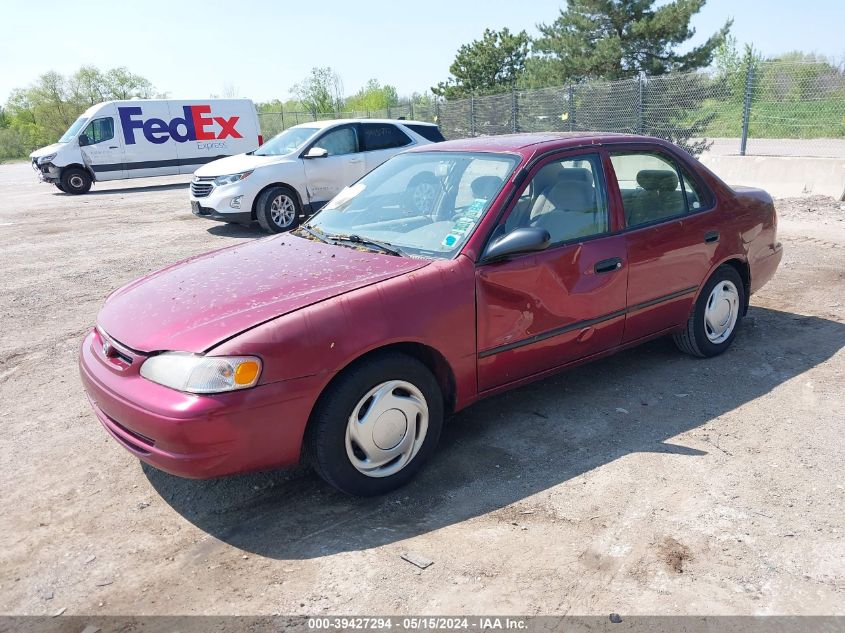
[(782, 176)]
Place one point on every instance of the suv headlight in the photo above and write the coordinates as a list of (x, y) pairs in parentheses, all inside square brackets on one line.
[(46, 159), (232, 178), (195, 373)]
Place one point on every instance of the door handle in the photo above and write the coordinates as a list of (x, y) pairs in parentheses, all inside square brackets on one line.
[(711, 236), (113, 147), (608, 265)]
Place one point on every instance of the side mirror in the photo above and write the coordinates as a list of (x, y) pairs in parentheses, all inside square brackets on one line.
[(316, 152), (522, 240), (84, 140)]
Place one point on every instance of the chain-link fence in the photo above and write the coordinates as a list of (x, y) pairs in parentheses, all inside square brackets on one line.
[(762, 108)]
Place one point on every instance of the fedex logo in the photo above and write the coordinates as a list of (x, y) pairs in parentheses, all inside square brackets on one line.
[(190, 127)]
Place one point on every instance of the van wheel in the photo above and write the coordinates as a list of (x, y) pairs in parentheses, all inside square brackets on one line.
[(75, 181), (277, 210), (712, 326), (376, 425), (59, 186)]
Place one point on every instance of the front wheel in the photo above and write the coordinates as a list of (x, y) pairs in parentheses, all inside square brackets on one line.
[(277, 210), (60, 186), (376, 425), (75, 180), (712, 326)]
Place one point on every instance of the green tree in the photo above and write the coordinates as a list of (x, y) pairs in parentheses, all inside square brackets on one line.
[(486, 66), (616, 39), (321, 92), (373, 97)]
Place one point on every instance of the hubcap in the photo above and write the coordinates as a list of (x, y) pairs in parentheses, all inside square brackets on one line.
[(423, 196), (282, 211), (76, 182), (387, 428), (721, 312)]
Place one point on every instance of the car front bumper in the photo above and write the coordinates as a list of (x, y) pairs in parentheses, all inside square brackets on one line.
[(195, 436), (217, 204)]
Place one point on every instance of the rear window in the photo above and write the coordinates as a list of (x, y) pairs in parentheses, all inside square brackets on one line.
[(382, 136), (428, 132)]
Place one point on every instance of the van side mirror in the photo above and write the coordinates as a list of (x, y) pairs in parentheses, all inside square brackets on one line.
[(84, 140), (522, 240), (316, 152)]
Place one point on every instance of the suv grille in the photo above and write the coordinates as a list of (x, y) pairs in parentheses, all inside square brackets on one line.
[(201, 186)]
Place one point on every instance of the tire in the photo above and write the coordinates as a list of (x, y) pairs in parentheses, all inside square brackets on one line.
[(421, 193), (347, 413), (720, 304), (277, 210), (59, 186), (75, 181)]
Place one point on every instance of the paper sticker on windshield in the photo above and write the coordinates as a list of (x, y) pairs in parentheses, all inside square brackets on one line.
[(477, 205), (451, 239)]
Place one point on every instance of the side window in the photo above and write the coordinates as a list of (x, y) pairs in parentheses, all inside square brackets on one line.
[(382, 136), (100, 130), (649, 186), (697, 197), (338, 142), (565, 197)]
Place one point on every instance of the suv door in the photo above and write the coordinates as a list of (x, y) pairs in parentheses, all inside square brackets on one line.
[(343, 165), (380, 141), (538, 311), (670, 237), (101, 150)]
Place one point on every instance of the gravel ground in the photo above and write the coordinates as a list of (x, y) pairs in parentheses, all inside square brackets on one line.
[(646, 483)]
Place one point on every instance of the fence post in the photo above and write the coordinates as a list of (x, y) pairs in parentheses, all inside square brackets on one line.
[(571, 115), (411, 111), (388, 111), (640, 103), (472, 116), (514, 111), (283, 119), (746, 109), (437, 110)]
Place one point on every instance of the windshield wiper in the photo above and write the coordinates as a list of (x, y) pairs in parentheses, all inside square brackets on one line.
[(385, 247), (320, 236)]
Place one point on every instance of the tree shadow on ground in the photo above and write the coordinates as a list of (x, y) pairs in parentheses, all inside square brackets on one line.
[(509, 447)]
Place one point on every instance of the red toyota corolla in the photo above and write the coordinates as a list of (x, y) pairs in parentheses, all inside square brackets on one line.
[(448, 274)]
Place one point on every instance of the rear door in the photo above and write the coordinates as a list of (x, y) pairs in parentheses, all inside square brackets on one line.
[(380, 141), (538, 311), (670, 237), (343, 165), (101, 147)]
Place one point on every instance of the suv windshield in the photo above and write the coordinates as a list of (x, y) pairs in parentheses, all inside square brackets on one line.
[(420, 203), (73, 130), (288, 141)]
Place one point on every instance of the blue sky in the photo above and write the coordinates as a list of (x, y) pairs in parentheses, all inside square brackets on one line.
[(193, 49)]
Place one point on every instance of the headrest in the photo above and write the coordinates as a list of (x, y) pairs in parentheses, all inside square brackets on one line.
[(486, 186), (579, 174), (657, 180), (571, 196)]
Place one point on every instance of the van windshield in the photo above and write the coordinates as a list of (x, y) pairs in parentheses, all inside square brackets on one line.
[(286, 142), (73, 130)]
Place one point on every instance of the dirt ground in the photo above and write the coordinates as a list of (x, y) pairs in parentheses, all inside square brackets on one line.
[(646, 483)]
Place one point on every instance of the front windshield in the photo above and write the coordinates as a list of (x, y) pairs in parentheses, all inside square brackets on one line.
[(420, 203), (73, 130), (288, 141)]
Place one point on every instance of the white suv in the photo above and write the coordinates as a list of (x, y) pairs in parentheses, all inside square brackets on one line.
[(295, 173)]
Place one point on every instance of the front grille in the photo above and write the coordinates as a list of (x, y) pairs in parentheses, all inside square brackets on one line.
[(201, 186)]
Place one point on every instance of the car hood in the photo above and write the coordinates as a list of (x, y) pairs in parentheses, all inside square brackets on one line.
[(44, 151), (238, 163), (196, 304)]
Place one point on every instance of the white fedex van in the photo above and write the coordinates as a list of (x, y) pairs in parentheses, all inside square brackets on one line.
[(141, 137), (298, 171)]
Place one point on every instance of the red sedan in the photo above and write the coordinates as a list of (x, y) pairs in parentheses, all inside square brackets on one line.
[(448, 274)]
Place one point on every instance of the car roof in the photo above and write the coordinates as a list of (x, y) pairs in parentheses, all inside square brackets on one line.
[(526, 142), (329, 122)]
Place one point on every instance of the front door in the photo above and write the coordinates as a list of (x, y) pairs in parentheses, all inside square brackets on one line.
[(343, 165), (538, 311), (101, 149), (670, 241)]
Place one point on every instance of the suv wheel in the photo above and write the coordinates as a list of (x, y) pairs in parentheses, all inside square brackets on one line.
[(277, 210)]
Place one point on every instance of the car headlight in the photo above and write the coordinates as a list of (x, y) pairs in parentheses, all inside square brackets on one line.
[(195, 373), (46, 159), (230, 178)]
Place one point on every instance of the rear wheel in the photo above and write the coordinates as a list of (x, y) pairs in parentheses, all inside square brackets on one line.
[(712, 326), (376, 425), (277, 210), (75, 180)]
